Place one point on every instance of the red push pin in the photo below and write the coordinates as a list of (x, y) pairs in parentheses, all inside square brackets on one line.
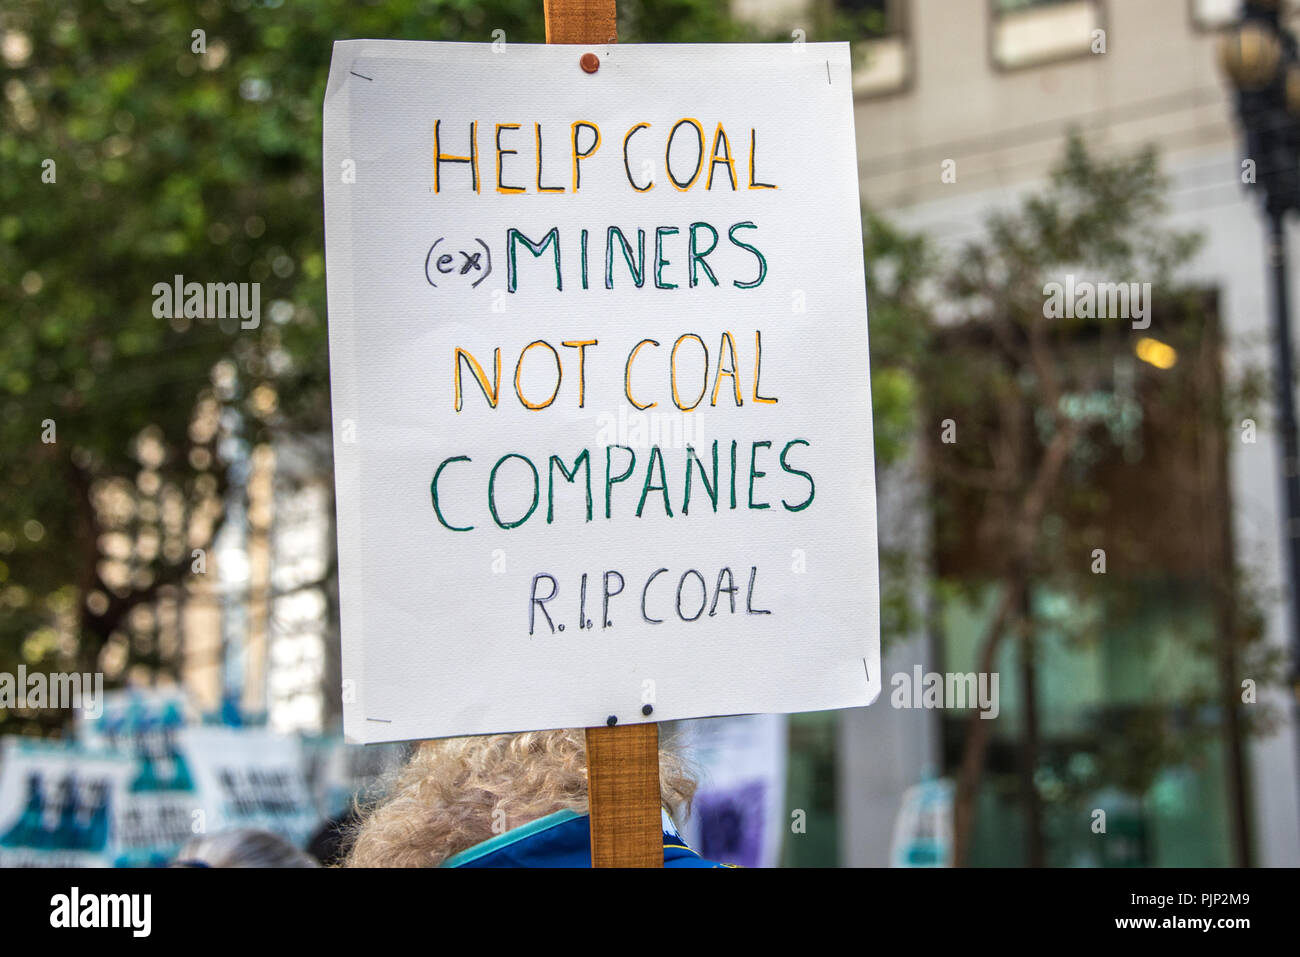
[(589, 62)]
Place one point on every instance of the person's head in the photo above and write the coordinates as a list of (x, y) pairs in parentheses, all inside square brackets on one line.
[(242, 847), (454, 793), (329, 844)]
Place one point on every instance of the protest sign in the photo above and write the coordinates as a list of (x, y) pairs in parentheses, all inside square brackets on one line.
[(251, 777), (60, 805), (189, 779), (598, 350), (161, 807), (923, 827)]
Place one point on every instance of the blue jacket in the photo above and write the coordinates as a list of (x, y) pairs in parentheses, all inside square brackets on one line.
[(562, 839)]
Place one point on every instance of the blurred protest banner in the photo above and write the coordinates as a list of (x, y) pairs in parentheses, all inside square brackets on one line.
[(738, 814), (161, 807), (923, 828), (251, 777), (60, 805), (596, 340), (189, 779)]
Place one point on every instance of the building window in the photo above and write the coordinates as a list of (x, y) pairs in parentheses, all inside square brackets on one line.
[(1214, 14), (1030, 32), (881, 61), (1109, 686), (811, 787), (871, 18), (876, 29)]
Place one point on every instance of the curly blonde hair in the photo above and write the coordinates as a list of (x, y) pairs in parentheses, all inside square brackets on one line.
[(452, 791)]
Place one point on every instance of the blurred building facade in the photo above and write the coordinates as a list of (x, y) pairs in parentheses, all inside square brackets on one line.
[(986, 91), (261, 636)]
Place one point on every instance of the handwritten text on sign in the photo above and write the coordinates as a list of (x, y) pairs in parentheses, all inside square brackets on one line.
[(601, 391)]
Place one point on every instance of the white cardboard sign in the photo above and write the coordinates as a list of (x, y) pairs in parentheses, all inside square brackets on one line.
[(601, 397)]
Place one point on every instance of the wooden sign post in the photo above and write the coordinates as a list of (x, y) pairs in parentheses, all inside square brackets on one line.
[(623, 792), (580, 21), (622, 762)]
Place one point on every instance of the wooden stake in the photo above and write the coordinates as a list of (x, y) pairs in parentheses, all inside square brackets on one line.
[(623, 791), (580, 21), (622, 761)]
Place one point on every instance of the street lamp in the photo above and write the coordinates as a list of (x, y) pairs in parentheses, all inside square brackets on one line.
[(1259, 56)]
